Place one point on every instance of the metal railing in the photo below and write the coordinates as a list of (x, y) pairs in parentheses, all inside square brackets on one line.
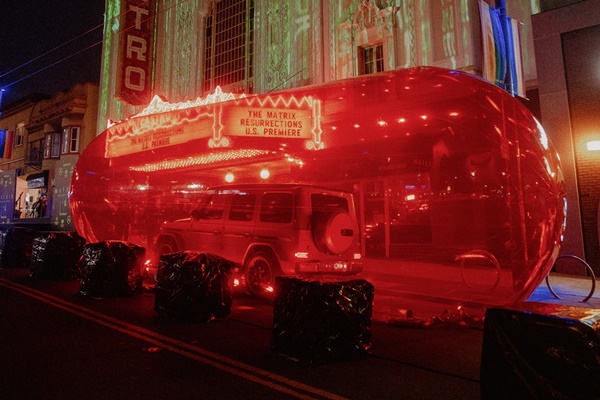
[(484, 256), (589, 269)]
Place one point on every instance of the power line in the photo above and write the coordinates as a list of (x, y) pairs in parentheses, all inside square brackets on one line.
[(54, 50), (51, 65), (108, 23), (48, 52)]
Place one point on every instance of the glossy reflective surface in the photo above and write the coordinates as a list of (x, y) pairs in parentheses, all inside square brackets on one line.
[(458, 191)]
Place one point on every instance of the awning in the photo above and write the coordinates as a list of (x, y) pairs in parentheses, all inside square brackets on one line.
[(37, 180)]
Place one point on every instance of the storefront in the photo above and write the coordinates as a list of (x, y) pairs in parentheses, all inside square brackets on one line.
[(36, 196)]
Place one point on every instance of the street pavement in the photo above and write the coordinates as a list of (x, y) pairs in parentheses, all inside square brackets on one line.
[(56, 344)]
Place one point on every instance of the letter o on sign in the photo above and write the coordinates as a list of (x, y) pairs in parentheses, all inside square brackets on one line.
[(135, 78)]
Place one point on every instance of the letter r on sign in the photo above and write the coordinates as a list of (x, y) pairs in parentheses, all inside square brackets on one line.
[(137, 45)]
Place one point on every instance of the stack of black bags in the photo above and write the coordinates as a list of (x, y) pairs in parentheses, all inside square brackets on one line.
[(193, 286), (320, 321)]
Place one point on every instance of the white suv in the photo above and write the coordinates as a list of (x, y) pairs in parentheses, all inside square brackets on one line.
[(270, 230)]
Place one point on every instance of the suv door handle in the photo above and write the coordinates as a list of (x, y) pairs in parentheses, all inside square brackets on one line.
[(247, 234), (215, 232)]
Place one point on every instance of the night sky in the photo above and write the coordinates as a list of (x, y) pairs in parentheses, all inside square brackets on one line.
[(29, 29)]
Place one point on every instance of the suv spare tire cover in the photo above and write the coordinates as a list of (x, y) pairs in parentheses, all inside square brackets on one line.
[(336, 233)]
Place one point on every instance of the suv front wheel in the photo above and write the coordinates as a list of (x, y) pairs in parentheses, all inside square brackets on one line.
[(164, 245), (261, 268)]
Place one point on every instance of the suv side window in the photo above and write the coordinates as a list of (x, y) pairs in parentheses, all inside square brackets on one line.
[(324, 202), (213, 208), (242, 207), (277, 207)]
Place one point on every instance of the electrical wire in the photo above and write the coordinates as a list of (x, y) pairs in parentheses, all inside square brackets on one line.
[(51, 65), (48, 52), (77, 52)]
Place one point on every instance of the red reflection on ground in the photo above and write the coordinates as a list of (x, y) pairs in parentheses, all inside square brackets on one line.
[(458, 193)]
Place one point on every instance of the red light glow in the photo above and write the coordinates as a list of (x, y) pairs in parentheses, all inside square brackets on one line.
[(488, 183)]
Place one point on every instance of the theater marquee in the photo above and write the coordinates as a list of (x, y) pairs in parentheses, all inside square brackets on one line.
[(283, 118)]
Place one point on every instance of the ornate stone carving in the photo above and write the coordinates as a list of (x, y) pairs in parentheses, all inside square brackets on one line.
[(183, 54), (278, 40), (387, 3), (407, 36), (368, 15)]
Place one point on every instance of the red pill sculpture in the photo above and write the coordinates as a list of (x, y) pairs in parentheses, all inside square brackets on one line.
[(456, 187)]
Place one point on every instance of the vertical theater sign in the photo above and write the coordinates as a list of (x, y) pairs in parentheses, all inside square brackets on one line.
[(134, 80)]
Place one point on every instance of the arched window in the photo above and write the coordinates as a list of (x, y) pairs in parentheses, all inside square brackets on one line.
[(229, 46)]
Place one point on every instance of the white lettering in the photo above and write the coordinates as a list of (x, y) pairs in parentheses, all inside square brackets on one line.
[(138, 83), (138, 15), (137, 45)]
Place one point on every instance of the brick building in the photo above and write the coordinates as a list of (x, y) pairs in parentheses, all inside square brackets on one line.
[(46, 135), (567, 49)]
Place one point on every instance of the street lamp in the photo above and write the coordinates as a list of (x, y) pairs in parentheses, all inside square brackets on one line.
[(593, 145)]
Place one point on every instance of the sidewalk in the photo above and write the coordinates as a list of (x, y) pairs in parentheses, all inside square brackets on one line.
[(572, 290), (429, 290)]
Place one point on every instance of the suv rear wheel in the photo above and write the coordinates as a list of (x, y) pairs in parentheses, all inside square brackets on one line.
[(261, 268)]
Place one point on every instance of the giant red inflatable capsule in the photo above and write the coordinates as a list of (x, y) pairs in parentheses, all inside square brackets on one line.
[(454, 180)]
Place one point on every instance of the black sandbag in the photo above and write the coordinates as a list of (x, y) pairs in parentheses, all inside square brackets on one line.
[(111, 269), (193, 286), (541, 351), (16, 244), (322, 321), (55, 255)]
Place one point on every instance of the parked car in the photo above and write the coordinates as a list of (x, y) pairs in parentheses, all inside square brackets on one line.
[(270, 230)]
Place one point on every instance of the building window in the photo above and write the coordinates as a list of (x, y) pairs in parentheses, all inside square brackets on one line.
[(370, 59), (70, 139), (36, 152), (229, 46), (20, 134), (52, 145)]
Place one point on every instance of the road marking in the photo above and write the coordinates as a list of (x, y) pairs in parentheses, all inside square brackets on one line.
[(243, 370)]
